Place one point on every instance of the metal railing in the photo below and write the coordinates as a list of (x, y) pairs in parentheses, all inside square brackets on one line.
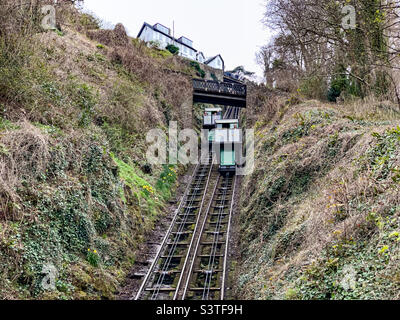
[(220, 87)]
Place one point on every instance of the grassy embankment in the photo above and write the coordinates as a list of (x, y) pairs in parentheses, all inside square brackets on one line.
[(320, 216), (75, 189)]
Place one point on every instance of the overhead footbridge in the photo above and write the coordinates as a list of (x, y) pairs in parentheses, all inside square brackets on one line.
[(219, 93)]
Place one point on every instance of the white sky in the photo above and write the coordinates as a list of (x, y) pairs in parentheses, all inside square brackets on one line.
[(231, 28)]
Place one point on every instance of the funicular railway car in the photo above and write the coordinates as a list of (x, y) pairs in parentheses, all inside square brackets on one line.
[(227, 144), (211, 115)]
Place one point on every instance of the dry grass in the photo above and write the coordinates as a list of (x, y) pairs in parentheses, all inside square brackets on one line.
[(24, 156), (169, 90), (113, 38), (73, 119), (371, 108), (314, 189), (263, 104)]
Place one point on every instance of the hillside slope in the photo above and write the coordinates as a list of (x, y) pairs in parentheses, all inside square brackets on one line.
[(76, 193), (320, 215)]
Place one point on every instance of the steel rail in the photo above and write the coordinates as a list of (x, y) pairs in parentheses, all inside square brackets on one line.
[(209, 274), (167, 235), (170, 255), (228, 184), (224, 273), (190, 272), (228, 113), (194, 232), (232, 113)]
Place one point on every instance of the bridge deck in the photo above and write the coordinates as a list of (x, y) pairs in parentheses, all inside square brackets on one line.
[(221, 93)]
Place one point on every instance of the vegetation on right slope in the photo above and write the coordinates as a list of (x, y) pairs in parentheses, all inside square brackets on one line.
[(320, 216)]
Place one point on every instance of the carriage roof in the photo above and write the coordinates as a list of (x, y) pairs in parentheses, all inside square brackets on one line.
[(213, 109), (226, 121)]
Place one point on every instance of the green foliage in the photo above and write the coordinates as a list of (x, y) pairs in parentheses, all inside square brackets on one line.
[(292, 294), (155, 45), (93, 258), (96, 57), (63, 226), (333, 145), (200, 72), (142, 189), (50, 130), (129, 176), (89, 21), (19, 80), (382, 84), (160, 54), (214, 77), (278, 64), (83, 198), (306, 122), (343, 83), (59, 33), (348, 270), (173, 49), (381, 158), (7, 125), (337, 86), (120, 138), (166, 181), (313, 87), (84, 98)]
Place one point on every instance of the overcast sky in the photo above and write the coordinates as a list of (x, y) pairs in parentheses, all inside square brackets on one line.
[(231, 28)]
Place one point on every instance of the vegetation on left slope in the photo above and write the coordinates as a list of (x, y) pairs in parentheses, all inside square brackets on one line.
[(76, 191)]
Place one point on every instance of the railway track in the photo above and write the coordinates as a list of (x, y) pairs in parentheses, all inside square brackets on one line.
[(191, 262), (165, 275), (232, 113), (207, 273), (195, 247)]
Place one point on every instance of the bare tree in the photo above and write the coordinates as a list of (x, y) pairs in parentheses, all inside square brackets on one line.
[(311, 42)]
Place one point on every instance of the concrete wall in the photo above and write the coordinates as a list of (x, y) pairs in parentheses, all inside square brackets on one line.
[(219, 74)]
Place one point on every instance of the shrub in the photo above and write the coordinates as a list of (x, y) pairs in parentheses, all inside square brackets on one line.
[(89, 22), (314, 87), (339, 83), (93, 258), (166, 181), (200, 72), (173, 49)]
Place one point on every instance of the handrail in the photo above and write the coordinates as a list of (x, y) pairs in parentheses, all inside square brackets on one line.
[(220, 87)]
